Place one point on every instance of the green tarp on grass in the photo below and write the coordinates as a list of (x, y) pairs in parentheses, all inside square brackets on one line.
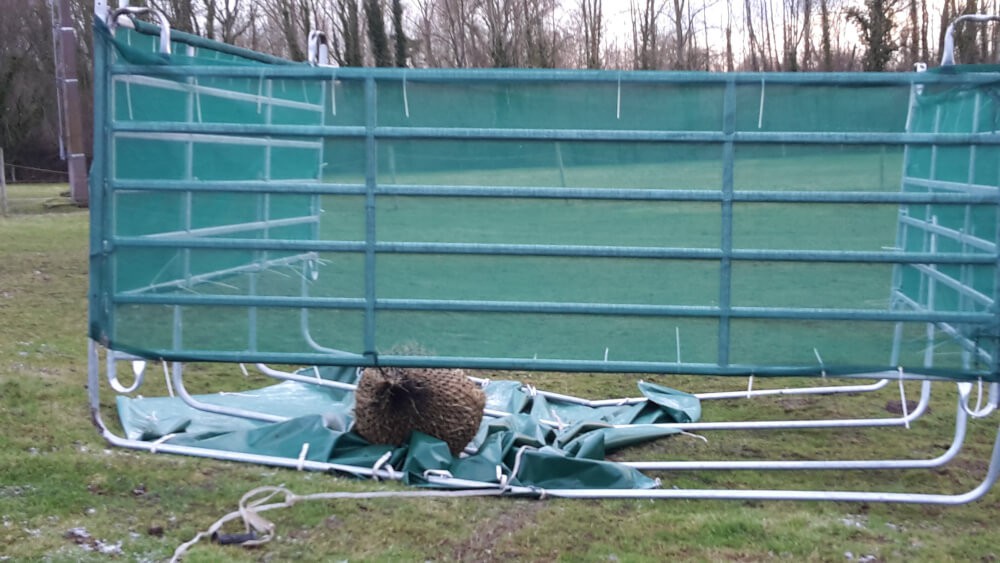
[(568, 455)]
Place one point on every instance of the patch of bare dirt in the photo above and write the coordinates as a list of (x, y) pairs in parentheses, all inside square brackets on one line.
[(486, 544)]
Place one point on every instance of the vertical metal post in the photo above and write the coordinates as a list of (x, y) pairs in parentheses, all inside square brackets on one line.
[(3, 185), (68, 86), (100, 223), (726, 244), (371, 172)]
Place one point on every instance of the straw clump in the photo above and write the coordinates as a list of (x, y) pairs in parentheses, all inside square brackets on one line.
[(392, 402)]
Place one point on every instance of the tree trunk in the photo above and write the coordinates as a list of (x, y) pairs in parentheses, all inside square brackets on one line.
[(824, 10)]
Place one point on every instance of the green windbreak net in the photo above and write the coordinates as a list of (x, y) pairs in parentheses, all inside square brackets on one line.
[(246, 210), (539, 443)]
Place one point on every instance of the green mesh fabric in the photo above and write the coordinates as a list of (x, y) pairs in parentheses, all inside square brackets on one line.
[(571, 220)]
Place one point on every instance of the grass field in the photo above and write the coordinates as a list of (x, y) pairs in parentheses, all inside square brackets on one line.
[(65, 496)]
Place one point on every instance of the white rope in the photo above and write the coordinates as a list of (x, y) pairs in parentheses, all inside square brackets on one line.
[(250, 507)]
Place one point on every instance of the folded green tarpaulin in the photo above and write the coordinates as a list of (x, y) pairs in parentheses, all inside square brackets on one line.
[(526, 447)]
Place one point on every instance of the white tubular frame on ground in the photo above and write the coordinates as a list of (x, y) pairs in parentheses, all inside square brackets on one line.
[(963, 412)]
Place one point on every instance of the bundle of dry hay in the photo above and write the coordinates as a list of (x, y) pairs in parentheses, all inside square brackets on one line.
[(391, 402)]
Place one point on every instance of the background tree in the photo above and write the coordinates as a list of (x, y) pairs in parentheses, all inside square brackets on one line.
[(399, 34), (591, 31), (876, 23), (377, 39)]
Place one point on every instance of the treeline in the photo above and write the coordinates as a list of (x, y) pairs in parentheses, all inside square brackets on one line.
[(713, 35)]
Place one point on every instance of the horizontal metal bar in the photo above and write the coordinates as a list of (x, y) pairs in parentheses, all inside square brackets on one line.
[(147, 28), (551, 192), (553, 308), (609, 135), (713, 137), (238, 227), (561, 365), (210, 91), (180, 136), (279, 187), (961, 187), (964, 341), (210, 277), (752, 79), (952, 234), (120, 128), (699, 195), (838, 256), (963, 289)]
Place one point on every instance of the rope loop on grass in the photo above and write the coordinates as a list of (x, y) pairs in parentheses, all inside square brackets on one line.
[(262, 530)]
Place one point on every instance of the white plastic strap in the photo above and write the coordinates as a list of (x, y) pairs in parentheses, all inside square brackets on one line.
[(383, 461), (168, 379), (333, 97), (406, 100), (300, 465), (260, 94), (677, 337), (979, 399), (760, 111), (902, 400), (517, 461), (618, 107), (693, 435), (128, 99), (822, 368), (159, 441)]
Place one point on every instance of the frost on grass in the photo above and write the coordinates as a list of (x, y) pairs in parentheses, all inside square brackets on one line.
[(81, 537)]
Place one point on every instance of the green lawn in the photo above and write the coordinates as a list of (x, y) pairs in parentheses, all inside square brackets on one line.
[(59, 476)]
